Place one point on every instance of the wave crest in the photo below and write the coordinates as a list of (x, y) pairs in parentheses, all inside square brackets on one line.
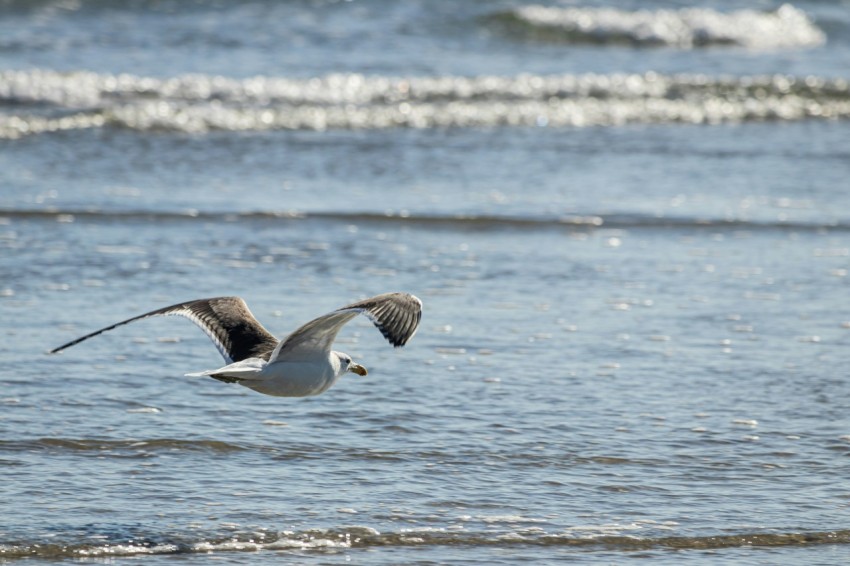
[(785, 27), (434, 221), (47, 101), (610, 537)]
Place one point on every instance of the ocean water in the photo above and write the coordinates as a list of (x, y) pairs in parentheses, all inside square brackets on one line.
[(629, 224)]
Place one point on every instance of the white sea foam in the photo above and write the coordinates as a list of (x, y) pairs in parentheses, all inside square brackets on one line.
[(786, 27), (125, 550), (603, 530)]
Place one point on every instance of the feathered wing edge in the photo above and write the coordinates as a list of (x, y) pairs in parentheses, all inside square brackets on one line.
[(227, 321), (395, 315)]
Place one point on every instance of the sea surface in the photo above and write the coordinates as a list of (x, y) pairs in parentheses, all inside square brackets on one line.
[(629, 224)]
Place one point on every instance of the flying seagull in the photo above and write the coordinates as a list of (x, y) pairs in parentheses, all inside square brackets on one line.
[(301, 364)]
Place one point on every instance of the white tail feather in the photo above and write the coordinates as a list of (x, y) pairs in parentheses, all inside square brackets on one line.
[(244, 369)]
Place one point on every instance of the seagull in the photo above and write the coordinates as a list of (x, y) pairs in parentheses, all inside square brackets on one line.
[(300, 365)]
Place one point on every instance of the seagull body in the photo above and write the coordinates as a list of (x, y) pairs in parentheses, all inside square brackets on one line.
[(285, 379), (301, 364)]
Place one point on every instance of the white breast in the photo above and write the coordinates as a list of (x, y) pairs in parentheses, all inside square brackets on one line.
[(295, 379)]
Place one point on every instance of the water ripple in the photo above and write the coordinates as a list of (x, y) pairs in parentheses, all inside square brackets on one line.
[(428, 221)]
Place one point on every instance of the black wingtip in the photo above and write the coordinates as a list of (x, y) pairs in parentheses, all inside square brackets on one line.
[(71, 343)]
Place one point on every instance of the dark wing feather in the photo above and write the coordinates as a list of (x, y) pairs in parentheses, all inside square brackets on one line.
[(396, 315), (226, 320)]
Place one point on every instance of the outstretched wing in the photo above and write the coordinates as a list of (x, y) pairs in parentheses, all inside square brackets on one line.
[(226, 320), (396, 315)]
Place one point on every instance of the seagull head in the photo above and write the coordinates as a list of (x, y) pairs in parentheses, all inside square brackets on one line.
[(347, 364)]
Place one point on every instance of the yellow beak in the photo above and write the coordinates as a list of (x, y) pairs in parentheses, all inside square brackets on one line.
[(357, 368)]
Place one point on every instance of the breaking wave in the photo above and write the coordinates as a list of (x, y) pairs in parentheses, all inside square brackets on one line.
[(785, 27), (609, 537), (40, 101)]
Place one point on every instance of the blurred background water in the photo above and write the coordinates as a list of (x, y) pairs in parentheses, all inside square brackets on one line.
[(628, 224)]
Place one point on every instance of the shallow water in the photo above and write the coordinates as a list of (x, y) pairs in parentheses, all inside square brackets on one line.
[(635, 332)]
